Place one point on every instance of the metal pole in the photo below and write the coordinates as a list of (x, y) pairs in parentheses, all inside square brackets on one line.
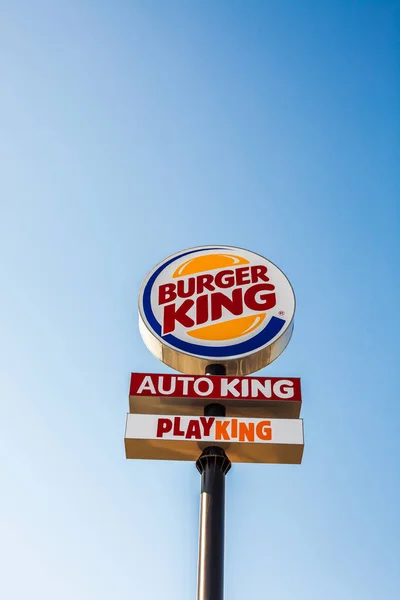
[(213, 465)]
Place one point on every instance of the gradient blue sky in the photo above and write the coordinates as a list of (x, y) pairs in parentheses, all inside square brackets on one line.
[(131, 130)]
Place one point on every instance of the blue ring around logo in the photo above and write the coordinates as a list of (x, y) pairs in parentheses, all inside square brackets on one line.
[(272, 328)]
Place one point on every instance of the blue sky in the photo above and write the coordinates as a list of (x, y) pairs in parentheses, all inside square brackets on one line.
[(132, 130)]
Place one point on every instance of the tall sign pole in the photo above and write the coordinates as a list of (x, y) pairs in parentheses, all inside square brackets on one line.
[(216, 314), (213, 465)]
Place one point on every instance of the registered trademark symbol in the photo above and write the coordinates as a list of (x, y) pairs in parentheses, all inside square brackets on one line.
[(281, 313)]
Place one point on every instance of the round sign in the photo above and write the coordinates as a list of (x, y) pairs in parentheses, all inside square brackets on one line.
[(216, 304)]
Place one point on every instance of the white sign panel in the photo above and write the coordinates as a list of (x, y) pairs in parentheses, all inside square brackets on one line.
[(169, 437)]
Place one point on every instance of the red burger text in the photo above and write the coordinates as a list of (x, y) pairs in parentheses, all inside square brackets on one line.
[(209, 302)]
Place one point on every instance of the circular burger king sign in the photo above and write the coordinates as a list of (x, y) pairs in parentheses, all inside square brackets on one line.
[(216, 304)]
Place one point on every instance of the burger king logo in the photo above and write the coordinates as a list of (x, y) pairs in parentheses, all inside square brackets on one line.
[(216, 304)]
